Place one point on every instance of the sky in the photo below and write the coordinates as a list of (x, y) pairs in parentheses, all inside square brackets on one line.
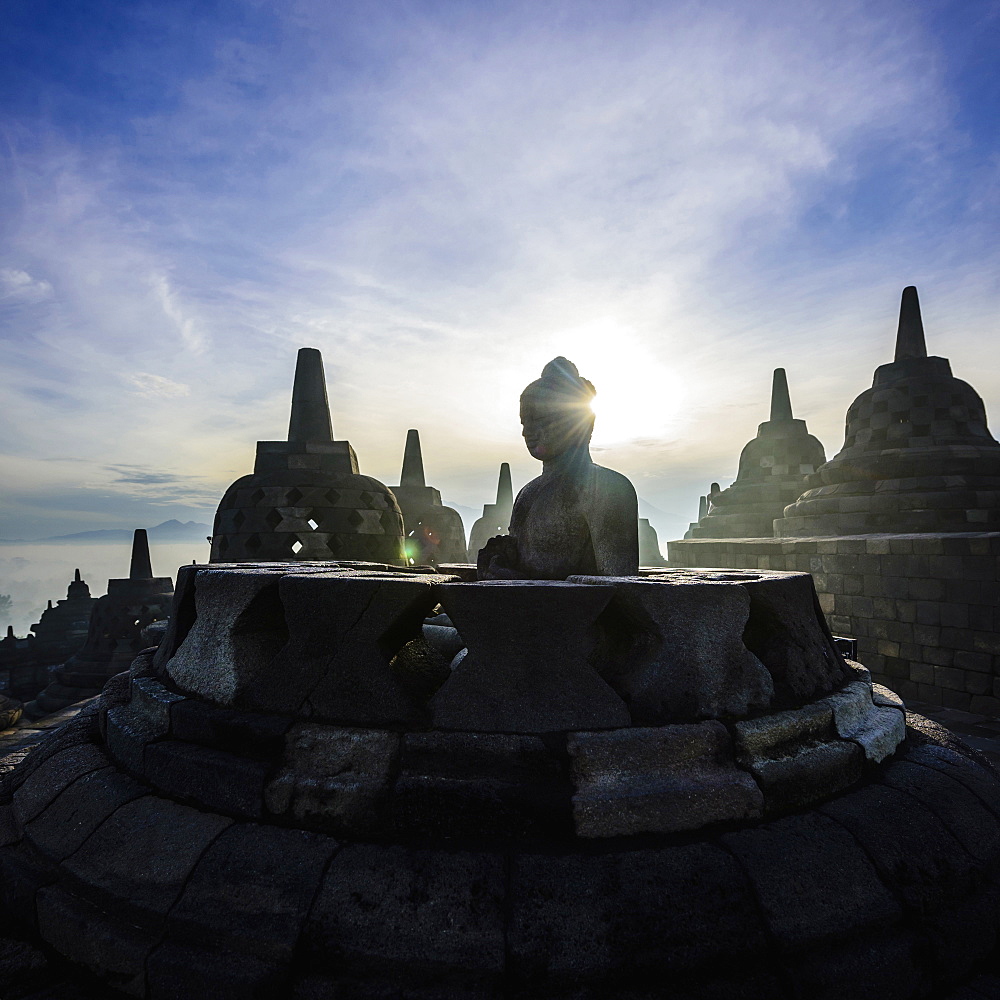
[(443, 195)]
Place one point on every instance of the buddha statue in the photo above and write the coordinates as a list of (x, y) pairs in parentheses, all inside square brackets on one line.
[(576, 518)]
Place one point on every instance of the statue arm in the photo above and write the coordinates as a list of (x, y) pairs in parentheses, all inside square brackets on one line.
[(614, 527)]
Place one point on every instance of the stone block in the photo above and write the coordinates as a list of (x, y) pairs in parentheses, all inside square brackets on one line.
[(389, 909), (94, 938), (80, 809), (151, 702), (883, 697), (251, 734), (334, 777), (158, 842), (674, 650), (128, 736), (976, 683), (968, 660), (949, 677), (344, 631), (454, 785), (528, 667), (628, 918), (658, 780), (211, 778), (789, 635), (985, 705), (956, 699), (48, 781), (177, 971), (238, 630), (960, 810), (796, 757), (252, 889), (878, 730), (812, 880)]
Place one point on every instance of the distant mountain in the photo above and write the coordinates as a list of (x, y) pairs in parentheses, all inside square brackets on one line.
[(169, 531)]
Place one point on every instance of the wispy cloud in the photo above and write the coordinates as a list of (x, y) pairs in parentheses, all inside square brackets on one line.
[(678, 197)]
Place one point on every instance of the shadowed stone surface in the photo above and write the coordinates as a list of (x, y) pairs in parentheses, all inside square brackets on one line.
[(306, 498), (772, 473), (576, 517), (434, 533), (528, 667), (658, 780), (676, 650), (917, 455)]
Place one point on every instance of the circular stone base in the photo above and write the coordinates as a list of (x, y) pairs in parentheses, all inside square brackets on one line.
[(887, 890)]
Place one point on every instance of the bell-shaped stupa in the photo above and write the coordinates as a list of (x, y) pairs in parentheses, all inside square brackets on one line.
[(306, 499), (772, 473), (62, 628), (496, 516), (114, 636), (434, 533), (917, 455)]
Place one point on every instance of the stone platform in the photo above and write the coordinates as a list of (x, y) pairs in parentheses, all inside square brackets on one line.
[(924, 608), (612, 785)]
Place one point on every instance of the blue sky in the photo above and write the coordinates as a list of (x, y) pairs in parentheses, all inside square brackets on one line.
[(441, 196)]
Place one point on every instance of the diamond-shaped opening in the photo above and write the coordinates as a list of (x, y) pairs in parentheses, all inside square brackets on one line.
[(256, 496), (333, 498), (354, 519), (294, 495), (238, 518), (313, 524), (297, 547), (272, 519), (366, 498), (253, 543)]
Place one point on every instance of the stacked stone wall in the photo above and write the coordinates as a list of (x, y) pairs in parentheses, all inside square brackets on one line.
[(925, 609)]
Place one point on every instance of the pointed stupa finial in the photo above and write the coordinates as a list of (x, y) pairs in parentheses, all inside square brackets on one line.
[(49, 607), (76, 576), (505, 492), (141, 568), (910, 341), (702, 507), (413, 461), (310, 420), (10, 631), (781, 404)]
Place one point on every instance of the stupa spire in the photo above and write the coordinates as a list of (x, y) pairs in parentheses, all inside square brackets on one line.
[(781, 404), (10, 631), (413, 461), (76, 576), (141, 568), (310, 419), (910, 341), (505, 492)]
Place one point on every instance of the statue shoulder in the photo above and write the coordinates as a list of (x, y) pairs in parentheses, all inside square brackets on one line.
[(609, 481)]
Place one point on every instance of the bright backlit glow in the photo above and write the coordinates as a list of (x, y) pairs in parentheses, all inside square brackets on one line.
[(638, 396)]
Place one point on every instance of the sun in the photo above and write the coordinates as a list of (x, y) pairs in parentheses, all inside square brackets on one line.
[(638, 397)]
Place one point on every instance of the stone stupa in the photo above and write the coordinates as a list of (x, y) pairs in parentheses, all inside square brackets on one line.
[(114, 635), (772, 473), (917, 455), (306, 498), (624, 787), (496, 516), (434, 533), (61, 629)]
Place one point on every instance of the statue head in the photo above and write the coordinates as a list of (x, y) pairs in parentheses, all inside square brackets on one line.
[(555, 411)]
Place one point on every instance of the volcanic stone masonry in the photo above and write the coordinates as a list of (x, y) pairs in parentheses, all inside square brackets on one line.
[(114, 635), (906, 516), (496, 516), (772, 473), (434, 533), (60, 631), (696, 788), (306, 499)]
